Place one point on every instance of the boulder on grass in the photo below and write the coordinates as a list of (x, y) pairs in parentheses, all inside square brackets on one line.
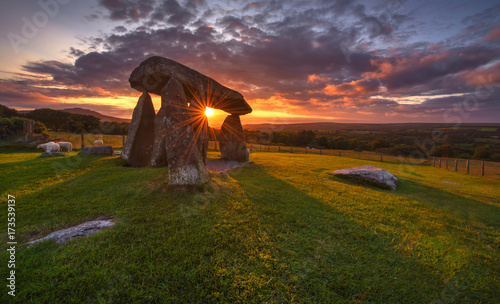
[(371, 175), (52, 154), (100, 150)]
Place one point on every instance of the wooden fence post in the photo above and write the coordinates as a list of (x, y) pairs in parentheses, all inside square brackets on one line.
[(440, 163), (456, 164), (381, 158), (291, 149), (123, 141), (83, 141), (467, 166), (482, 168)]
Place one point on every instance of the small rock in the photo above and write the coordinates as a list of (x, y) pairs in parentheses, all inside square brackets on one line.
[(101, 150), (370, 174), (52, 154)]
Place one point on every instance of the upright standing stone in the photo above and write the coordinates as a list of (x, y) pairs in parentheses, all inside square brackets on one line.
[(232, 142), (186, 165), (140, 137), (159, 155), (203, 138)]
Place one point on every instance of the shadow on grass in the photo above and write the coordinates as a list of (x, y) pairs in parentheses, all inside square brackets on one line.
[(322, 256)]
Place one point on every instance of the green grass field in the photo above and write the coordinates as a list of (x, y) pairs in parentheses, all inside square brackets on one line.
[(280, 231)]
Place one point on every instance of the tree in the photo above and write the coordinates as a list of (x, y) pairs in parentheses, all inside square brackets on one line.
[(482, 153), (323, 142), (380, 143), (6, 112)]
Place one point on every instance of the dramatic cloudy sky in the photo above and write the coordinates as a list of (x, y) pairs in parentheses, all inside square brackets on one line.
[(294, 61)]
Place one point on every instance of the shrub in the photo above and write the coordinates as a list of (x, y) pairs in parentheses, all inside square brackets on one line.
[(482, 153), (495, 157), (15, 126)]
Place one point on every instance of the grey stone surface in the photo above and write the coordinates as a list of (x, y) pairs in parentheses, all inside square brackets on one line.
[(186, 165), (232, 140), (140, 137), (159, 155), (52, 154), (154, 73), (81, 230), (100, 150), (370, 174)]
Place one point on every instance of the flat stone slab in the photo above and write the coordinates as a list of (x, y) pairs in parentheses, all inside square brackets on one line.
[(52, 154), (87, 228), (100, 150), (371, 175)]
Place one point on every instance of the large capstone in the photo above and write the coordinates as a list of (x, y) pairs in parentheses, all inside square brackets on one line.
[(371, 175), (186, 165), (232, 140), (153, 73), (140, 138)]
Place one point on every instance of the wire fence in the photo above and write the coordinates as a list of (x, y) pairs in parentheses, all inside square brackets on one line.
[(88, 139), (475, 167)]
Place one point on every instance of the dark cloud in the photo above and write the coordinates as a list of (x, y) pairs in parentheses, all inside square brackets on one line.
[(172, 12), (272, 49), (120, 29), (128, 9)]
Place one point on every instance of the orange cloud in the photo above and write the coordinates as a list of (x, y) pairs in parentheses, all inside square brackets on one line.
[(316, 78), (353, 88), (494, 34)]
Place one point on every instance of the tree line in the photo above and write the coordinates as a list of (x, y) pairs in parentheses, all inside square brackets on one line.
[(456, 143), (11, 122)]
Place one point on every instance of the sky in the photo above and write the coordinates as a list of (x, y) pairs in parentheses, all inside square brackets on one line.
[(293, 61)]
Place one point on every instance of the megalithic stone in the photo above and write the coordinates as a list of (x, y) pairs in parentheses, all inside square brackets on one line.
[(140, 137), (159, 154), (232, 139), (185, 163), (203, 138), (153, 73)]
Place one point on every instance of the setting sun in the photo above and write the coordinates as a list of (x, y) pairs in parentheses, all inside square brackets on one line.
[(209, 112)]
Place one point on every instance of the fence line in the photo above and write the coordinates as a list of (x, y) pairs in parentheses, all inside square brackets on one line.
[(116, 141), (475, 167)]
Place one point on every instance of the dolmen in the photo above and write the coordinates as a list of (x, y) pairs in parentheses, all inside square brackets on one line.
[(177, 135), (371, 175)]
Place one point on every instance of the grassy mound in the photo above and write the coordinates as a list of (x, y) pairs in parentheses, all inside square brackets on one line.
[(283, 230)]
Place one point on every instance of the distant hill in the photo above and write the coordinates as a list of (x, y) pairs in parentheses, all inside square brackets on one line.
[(96, 114)]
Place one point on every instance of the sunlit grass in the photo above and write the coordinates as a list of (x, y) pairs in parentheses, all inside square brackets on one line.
[(280, 231)]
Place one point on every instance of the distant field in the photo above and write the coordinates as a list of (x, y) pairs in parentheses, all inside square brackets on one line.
[(283, 230)]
